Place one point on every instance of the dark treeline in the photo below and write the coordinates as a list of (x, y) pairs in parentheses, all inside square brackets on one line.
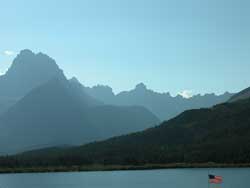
[(220, 134)]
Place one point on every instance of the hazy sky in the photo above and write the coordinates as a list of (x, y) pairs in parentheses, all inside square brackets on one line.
[(197, 45)]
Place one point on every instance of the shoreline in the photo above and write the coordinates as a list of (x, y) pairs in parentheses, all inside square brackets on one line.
[(89, 168)]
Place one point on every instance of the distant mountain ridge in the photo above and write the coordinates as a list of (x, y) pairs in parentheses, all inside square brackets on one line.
[(161, 104), (30, 70), (51, 110), (37, 100)]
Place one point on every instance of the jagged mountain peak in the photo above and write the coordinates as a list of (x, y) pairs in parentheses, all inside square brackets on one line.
[(27, 61), (28, 71)]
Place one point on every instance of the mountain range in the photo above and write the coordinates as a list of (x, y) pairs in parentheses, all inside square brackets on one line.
[(163, 105), (40, 107), (220, 134), (51, 110)]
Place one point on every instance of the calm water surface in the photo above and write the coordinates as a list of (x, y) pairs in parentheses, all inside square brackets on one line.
[(172, 178)]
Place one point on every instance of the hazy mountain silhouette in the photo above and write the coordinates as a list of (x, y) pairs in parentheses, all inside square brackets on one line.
[(39, 106), (161, 104), (27, 71), (58, 112), (244, 94)]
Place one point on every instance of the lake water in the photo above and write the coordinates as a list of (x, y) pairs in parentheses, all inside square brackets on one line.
[(172, 178)]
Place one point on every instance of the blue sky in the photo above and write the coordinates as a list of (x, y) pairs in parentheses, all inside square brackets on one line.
[(170, 45)]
